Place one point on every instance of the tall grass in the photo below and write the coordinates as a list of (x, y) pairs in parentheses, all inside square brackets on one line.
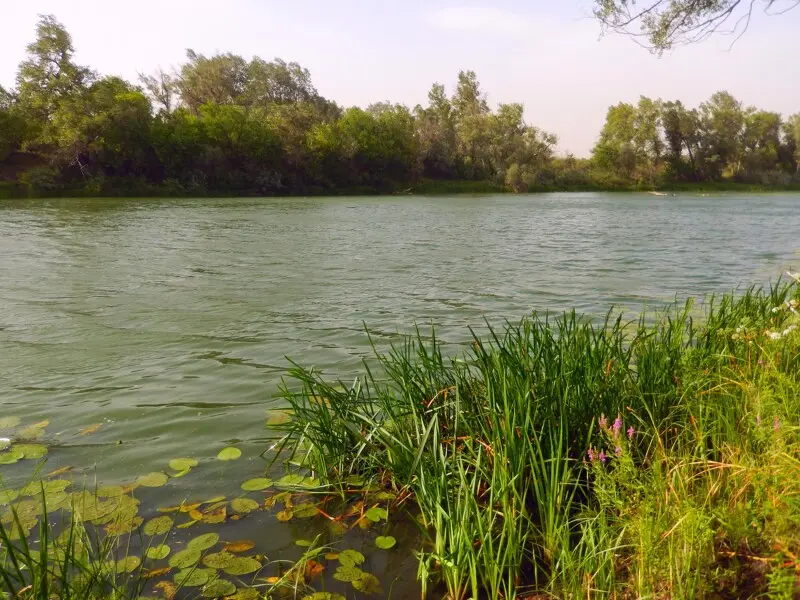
[(567, 457)]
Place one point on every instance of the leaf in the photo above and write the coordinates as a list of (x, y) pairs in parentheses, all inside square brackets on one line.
[(8, 496), (305, 511), (278, 417), (9, 458), (284, 515), (180, 473), (153, 480), (219, 588), (203, 542), (350, 558), (128, 564), (170, 589), (367, 584), (218, 560), (243, 565), (187, 524), (215, 516), (376, 514), (239, 546), (31, 451), (159, 552), (246, 594), (303, 543), (60, 471), (324, 596), (90, 429), (156, 572), (9, 422), (291, 480), (158, 526), (31, 433), (229, 453), (384, 542), (214, 500), (193, 577), (123, 526), (314, 569), (244, 505), (182, 464), (109, 491), (185, 558), (185, 508), (255, 485), (347, 573)]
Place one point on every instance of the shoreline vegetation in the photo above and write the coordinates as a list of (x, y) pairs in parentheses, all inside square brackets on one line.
[(224, 125), (555, 457)]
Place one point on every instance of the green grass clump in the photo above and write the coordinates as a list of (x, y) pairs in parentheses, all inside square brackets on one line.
[(577, 459)]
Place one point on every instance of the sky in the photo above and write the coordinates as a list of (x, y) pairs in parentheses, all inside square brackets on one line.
[(547, 54)]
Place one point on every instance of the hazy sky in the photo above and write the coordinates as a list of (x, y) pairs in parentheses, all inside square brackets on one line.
[(545, 53)]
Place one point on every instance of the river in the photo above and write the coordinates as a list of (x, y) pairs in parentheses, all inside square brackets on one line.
[(170, 322)]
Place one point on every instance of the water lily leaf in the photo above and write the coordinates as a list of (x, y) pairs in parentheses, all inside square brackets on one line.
[(123, 526), (239, 546), (384, 542), (180, 473), (128, 564), (244, 505), (291, 480), (348, 573), (246, 594), (278, 417), (9, 422), (159, 552), (350, 558), (203, 542), (186, 525), (170, 589), (303, 543), (185, 558), (219, 560), (314, 569), (284, 515), (194, 577), (219, 588), (90, 429), (367, 584), (8, 496), (305, 511), (215, 516), (156, 572), (229, 453), (31, 434), (255, 485), (10, 457), (109, 491), (32, 451), (153, 480), (324, 596), (242, 565), (182, 464), (385, 496), (158, 526), (56, 485), (185, 508), (376, 514)]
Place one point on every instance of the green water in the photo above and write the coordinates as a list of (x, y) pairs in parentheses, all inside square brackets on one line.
[(169, 321)]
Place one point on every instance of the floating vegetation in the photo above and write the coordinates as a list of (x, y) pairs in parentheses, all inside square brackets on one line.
[(385, 542), (153, 480), (158, 526), (255, 485), (229, 453)]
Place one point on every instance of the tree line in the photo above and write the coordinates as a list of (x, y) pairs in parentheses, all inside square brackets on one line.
[(224, 125)]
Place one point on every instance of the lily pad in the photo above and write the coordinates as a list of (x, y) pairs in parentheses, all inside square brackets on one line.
[(194, 577), (10, 457), (110, 491), (324, 596), (128, 565), (180, 473), (350, 558), (219, 560), (153, 480), (8, 496), (182, 464), (367, 584), (255, 485), (239, 546), (284, 515), (348, 573), (158, 526), (384, 542), (32, 451), (247, 594), (56, 485), (219, 588), (185, 558), (159, 552), (9, 422), (32, 433), (244, 505), (376, 514), (203, 542), (305, 511), (291, 480), (229, 453), (242, 565)]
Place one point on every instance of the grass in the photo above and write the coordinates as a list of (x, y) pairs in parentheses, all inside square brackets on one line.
[(563, 458)]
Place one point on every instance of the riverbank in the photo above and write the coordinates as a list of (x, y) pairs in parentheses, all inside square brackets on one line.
[(563, 459), (426, 187)]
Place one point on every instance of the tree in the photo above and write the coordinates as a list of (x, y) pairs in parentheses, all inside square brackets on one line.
[(161, 87), (220, 79), (277, 82), (615, 150), (436, 132), (665, 23), (470, 108), (49, 76), (681, 132), (722, 120)]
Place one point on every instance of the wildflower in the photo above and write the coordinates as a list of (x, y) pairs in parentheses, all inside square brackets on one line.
[(618, 451), (774, 335), (776, 424), (631, 432), (602, 421), (775, 309), (617, 427), (592, 455), (602, 456)]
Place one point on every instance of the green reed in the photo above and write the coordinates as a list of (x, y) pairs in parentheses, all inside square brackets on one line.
[(492, 445)]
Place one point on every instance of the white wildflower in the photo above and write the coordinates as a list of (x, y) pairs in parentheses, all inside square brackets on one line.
[(774, 335)]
